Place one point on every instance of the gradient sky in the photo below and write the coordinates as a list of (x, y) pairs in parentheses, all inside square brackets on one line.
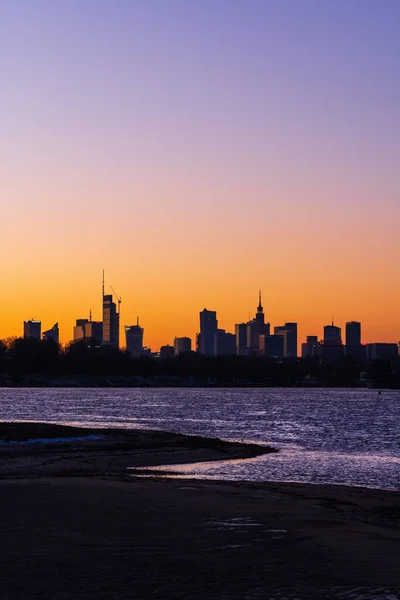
[(199, 150)]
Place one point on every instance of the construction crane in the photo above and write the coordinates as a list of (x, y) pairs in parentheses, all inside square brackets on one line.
[(118, 299)]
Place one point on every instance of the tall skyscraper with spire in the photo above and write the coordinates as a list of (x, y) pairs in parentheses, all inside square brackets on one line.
[(110, 319), (257, 327)]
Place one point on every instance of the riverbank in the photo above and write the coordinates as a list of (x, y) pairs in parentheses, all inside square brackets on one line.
[(29, 449), (76, 525)]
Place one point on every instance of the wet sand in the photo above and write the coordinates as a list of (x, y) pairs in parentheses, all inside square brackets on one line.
[(113, 536)]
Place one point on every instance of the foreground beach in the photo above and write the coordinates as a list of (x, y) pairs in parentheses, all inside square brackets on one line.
[(110, 535)]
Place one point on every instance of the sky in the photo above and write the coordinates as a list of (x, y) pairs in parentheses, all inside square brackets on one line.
[(199, 150)]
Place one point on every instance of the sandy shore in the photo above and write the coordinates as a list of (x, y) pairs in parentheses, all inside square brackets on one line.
[(120, 537)]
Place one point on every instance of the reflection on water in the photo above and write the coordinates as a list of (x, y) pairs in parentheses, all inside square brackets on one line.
[(334, 436)]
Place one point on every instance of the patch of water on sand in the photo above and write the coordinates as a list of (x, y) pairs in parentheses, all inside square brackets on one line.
[(363, 594), (237, 522)]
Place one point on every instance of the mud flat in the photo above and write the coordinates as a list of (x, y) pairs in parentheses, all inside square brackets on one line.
[(74, 525)]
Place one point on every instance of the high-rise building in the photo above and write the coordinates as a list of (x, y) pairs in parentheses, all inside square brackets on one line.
[(94, 331), (272, 346), (110, 322), (289, 333), (32, 329), (332, 334), (52, 334), (182, 344), (332, 347), (225, 343), (208, 330), (353, 334), (88, 330), (257, 327), (241, 338), (134, 339), (353, 341)]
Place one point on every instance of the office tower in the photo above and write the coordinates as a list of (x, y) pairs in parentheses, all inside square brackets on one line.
[(208, 330), (291, 341), (32, 329), (353, 334), (241, 338), (353, 341), (380, 351), (332, 347), (289, 333), (167, 351), (225, 343), (52, 334), (182, 344), (312, 347), (332, 334), (257, 327), (110, 319), (79, 329), (272, 346), (94, 331), (134, 339), (110, 322)]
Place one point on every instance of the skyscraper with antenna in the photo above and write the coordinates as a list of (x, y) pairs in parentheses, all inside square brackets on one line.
[(110, 319)]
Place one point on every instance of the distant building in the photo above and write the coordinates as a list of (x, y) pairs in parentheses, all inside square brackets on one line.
[(332, 347), (353, 334), (52, 334), (208, 330), (110, 322), (255, 328), (86, 329), (241, 338), (380, 350), (289, 333), (167, 352), (225, 343), (94, 331), (353, 345), (332, 334), (134, 339), (311, 347), (272, 346), (32, 329), (182, 344)]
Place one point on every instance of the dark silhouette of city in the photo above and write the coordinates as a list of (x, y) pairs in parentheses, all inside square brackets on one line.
[(250, 356)]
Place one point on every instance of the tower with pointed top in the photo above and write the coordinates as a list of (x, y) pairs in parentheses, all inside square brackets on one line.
[(257, 327)]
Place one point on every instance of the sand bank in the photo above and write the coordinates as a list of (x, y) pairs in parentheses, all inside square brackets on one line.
[(119, 537)]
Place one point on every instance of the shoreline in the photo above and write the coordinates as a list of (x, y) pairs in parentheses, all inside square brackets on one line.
[(34, 449), (86, 528)]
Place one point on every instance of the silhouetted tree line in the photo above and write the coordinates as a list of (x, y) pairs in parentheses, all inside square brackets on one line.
[(20, 358)]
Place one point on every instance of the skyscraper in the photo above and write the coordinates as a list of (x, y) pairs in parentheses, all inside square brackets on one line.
[(353, 334), (225, 343), (52, 334), (289, 332), (134, 339), (332, 347), (257, 327), (110, 322), (208, 331), (32, 329), (241, 338)]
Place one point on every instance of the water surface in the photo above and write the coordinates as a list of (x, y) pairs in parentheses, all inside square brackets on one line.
[(324, 436)]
